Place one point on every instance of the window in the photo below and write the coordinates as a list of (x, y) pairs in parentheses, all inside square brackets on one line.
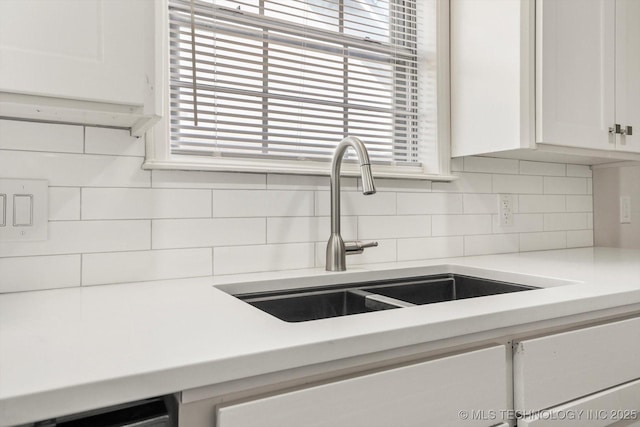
[(274, 85)]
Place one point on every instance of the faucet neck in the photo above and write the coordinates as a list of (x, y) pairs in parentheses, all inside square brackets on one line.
[(363, 158)]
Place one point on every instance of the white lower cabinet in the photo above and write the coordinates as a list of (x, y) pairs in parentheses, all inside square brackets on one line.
[(595, 369), (618, 406), (468, 389)]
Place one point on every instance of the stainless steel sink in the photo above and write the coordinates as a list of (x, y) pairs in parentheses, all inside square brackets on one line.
[(300, 305)]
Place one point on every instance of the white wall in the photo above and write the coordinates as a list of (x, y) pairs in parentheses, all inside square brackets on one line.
[(112, 222), (609, 185)]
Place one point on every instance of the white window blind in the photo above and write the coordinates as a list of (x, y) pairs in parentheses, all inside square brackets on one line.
[(288, 79)]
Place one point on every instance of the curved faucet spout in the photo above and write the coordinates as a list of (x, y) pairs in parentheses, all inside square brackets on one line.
[(368, 186), (335, 247)]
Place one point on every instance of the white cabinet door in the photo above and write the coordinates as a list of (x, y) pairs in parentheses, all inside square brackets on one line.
[(431, 393), (80, 61), (492, 97), (94, 50), (628, 72), (618, 406), (559, 368), (576, 72)]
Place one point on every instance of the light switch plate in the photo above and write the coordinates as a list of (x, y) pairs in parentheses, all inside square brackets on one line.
[(625, 210), (26, 209)]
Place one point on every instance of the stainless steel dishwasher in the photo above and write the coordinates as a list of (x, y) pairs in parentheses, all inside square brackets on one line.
[(156, 412)]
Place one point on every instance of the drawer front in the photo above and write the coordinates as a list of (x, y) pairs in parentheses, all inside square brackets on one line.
[(431, 393), (564, 367), (618, 406)]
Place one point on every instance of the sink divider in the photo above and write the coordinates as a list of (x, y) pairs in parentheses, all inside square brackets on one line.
[(379, 302)]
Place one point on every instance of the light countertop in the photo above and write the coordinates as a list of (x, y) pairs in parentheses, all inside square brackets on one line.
[(69, 350)]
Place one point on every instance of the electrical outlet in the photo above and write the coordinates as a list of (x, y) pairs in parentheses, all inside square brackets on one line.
[(505, 210), (625, 210)]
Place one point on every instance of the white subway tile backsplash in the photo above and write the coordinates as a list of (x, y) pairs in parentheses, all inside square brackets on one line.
[(466, 183), (553, 185), (490, 244), (384, 252), (522, 223), (76, 237), (430, 248), (136, 203), (261, 203), (579, 203), (565, 221), (491, 165), (460, 225), (111, 221), (239, 203), (195, 233), (117, 142), (307, 182), (523, 184), (430, 203), (307, 229), (541, 204), (540, 168), (482, 203), (393, 226), (75, 170), (355, 203), (543, 241), (28, 136), (579, 238), (290, 203), (211, 180), (233, 260), (579, 171), (401, 185), (64, 203), (121, 267), (39, 272)]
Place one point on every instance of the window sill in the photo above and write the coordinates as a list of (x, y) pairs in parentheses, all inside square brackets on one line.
[(304, 168)]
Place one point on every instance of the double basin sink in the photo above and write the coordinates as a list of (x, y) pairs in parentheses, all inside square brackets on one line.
[(299, 305)]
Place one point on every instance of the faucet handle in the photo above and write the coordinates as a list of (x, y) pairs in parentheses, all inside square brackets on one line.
[(358, 247)]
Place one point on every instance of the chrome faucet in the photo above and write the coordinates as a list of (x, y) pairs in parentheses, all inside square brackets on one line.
[(337, 249)]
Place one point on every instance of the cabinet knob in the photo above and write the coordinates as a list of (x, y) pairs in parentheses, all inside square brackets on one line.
[(628, 130)]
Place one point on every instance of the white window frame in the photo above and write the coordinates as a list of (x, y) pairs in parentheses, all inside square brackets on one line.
[(158, 151)]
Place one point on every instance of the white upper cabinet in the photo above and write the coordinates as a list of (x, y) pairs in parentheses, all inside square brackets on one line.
[(628, 72), (86, 61), (546, 79), (575, 72)]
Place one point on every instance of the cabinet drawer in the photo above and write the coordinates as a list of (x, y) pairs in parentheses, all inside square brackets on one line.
[(563, 367), (430, 393), (615, 405)]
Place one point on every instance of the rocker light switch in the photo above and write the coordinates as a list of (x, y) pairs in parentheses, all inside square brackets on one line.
[(22, 210)]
